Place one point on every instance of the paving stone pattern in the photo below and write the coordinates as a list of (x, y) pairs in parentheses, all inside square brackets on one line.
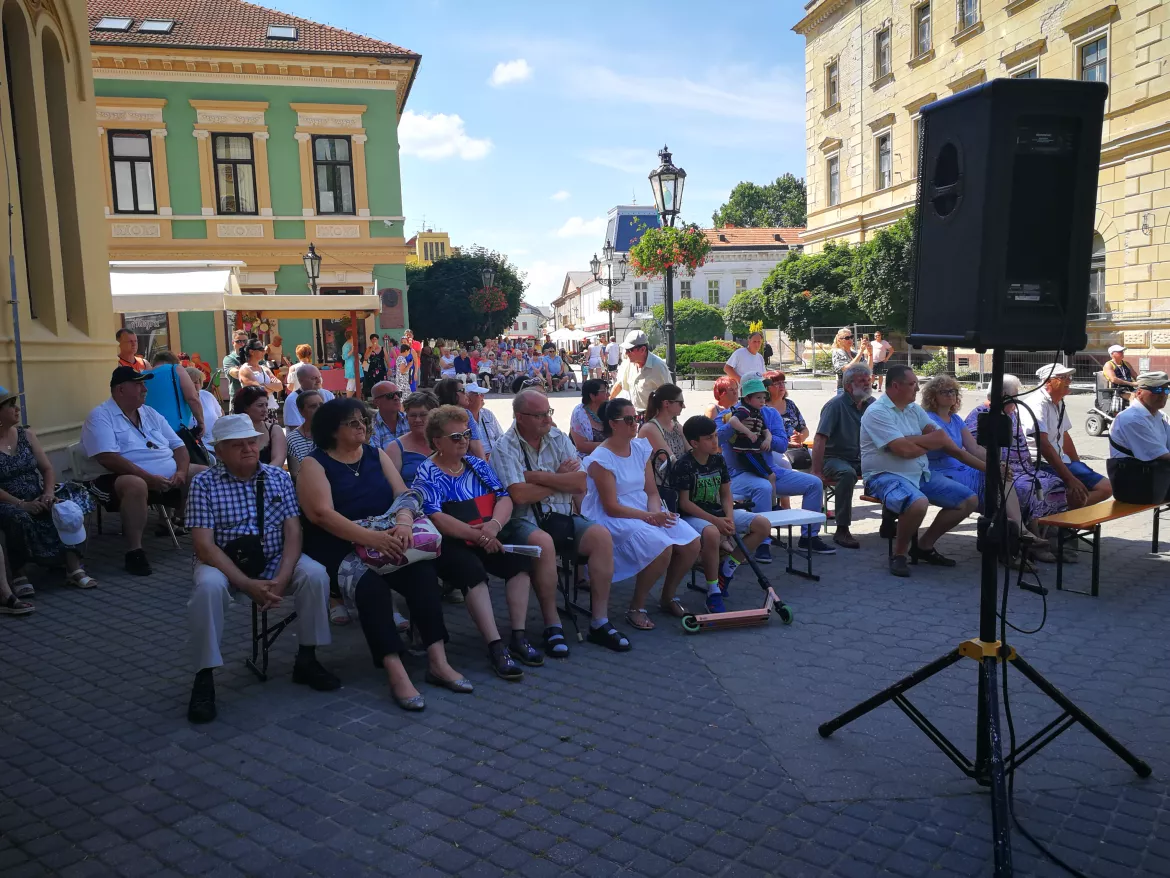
[(687, 756)]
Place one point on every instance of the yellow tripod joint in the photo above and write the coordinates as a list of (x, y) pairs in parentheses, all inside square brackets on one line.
[(980, 649)]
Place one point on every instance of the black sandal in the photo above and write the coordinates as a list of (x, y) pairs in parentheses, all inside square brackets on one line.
[(930, 556), (502, 663), (555, 645), (609, 637), (523, 651)]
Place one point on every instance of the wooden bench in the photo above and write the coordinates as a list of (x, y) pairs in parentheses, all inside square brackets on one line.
[(706, 371), (1084, 526)]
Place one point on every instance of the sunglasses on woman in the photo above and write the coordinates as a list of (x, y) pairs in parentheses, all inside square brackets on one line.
[(355, 423), (629, 420), (465, 436)]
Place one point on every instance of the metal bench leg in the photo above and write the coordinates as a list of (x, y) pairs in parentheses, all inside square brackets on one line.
[(1094, 588), (1059, 558), (162, 511), (262, 639), (1157, 521)]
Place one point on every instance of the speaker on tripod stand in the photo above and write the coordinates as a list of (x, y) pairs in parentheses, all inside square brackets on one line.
[(1007, 188)]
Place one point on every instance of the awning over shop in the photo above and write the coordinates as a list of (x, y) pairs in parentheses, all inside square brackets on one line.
[(294, 306), (172, 286)]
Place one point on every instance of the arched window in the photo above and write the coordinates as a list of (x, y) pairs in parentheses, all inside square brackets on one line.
[(1097, 277)]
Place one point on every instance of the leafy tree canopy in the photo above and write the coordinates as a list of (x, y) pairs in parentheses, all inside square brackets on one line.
[(439, 295), (694, 321), (813, 290), (743, 310), (883, 282), (782, 203)]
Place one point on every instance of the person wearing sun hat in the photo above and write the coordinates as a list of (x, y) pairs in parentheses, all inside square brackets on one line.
[(1120, 376), (641, 373), (1047, 429), (1139, 440), (221, 511)]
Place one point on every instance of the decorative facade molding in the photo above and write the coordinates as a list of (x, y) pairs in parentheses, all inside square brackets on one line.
[(200, 134), (135, 230), (304, 120), (338, 231), (229, 117), (240, 230), (1025, 53), (158, 132), (1092, 21), (126, 114)]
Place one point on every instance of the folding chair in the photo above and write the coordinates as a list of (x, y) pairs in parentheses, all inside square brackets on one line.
[(263, 636), (569, 583), (85, 470)]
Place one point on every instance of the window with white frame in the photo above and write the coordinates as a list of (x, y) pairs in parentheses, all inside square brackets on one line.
[(684, 289), (832, 85), (917, 122), (882, 60), (922, 34), (1097, 276), (235, 173), (884, 160), (713, 292), (833, 173), (641, 294), (1027, 73), (132, 171), (740, 285), (968, 14), (333, 172), (1094, 60)]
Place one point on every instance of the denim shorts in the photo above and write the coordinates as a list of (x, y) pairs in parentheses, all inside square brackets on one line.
[(898, 492), (743, 521), (518, 530), (1085, 476)]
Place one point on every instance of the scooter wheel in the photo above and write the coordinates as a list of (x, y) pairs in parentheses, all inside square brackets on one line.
[(691, 625), (785, 614), (1094, 424)]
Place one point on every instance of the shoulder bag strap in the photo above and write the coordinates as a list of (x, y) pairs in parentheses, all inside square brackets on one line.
[(260, 501), (1120, 447)]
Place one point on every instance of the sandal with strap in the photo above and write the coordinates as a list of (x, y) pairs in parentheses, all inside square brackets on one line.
[(503, 664), (609, 637), (555, 645), (523, 651), (22, 588), (14, 606), (640, 619), (81, 579), (673, 607)]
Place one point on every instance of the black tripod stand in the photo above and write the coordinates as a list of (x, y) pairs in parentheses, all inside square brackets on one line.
[(990, 767)]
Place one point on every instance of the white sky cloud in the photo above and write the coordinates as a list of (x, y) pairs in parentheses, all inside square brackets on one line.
[(563, 195), (439, 136), (576, 227), (507, 72), (545, 280), (632, 161)]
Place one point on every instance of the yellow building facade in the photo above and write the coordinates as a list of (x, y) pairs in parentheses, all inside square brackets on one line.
[(53, 182), (425, 247), (870, 66)]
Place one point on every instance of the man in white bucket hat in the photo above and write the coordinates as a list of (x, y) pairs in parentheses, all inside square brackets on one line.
[(222, 512)]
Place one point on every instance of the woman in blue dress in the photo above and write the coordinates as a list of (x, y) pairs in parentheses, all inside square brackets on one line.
[(409, 451)]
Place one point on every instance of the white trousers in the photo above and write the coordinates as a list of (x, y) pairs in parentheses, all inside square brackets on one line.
[(213, 594)]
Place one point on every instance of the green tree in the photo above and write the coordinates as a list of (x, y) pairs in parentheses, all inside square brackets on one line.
[(812, 290), (783, 203), (439, 294), (884, 269), (694, 321), (743, 310)]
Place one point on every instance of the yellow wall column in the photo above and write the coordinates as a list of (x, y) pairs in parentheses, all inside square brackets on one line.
[(162, 178), (104, 147), (360, 193), (206, 173), (308, 201), (263, 189)]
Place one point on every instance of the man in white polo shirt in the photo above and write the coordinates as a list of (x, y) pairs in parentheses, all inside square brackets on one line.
[(309, 377), (147, 462), (1142, 433), (613, 355), (641, 373)]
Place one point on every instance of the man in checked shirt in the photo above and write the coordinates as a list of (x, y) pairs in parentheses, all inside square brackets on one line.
[(221, 508)]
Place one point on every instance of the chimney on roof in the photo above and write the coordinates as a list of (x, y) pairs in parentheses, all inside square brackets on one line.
[(722, 237), (729, 225), (776, 237)]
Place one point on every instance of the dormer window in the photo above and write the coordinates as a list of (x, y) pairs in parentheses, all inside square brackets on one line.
[(112, 23), (282, 32), (156, 26)]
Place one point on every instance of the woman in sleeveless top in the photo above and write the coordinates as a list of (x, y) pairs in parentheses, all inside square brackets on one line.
[(585, 429), (253, 402), (343, 483), (408, 452), (661, 428)]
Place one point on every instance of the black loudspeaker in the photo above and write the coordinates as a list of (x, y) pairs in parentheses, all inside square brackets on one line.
[(1007, 188)]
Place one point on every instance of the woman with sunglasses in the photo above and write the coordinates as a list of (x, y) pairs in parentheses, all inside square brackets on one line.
[(469, 505), (253, 402), (797, 456), (585, 427), (342, 482), (622, 495), (843, 354), (408, 452), (661, 427), (450, 391)]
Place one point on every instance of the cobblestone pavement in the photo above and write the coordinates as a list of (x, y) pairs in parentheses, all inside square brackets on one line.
[(687, 756)]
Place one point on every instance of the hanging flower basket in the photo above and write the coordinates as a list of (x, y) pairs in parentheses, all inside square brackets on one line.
[(682, 249), (488, 299), (613, 306)]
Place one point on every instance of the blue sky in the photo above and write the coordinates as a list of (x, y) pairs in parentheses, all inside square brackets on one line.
[(529, 120)]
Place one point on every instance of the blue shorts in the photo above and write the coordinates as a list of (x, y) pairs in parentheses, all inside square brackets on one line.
[(519, 530), (743, 521), (1085, 476), (898, 492)]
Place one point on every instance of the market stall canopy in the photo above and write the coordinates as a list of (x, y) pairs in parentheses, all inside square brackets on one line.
[(562, 335), (294, 306), (172, 285)]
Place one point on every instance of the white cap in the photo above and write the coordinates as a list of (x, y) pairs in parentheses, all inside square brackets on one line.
[(635, 338), (70, 522), (1044, 373), (233, 427), (473, 386), (1117, 349)]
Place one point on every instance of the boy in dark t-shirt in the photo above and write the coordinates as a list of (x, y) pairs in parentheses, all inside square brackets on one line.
[(704, 502)]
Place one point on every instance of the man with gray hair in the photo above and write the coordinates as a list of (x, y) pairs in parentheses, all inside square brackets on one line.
[(309, 377), (836, 451), (1139, 458)]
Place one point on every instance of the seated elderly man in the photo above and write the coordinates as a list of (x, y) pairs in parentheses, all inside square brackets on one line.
[(245, 543), (1139, 439), (309, 377), (390, 421), (896, 435), (147, 462), (1046, 427), (538, 465), (836, 451)]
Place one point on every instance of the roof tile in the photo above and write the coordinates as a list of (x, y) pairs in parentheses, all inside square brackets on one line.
[(733, 236)]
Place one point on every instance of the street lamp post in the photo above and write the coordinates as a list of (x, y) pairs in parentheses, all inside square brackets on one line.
[(667, 182), (313, 272), (614, 275)]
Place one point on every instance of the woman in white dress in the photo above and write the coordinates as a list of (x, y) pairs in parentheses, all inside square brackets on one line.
[(596, 352), (622, 496)]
